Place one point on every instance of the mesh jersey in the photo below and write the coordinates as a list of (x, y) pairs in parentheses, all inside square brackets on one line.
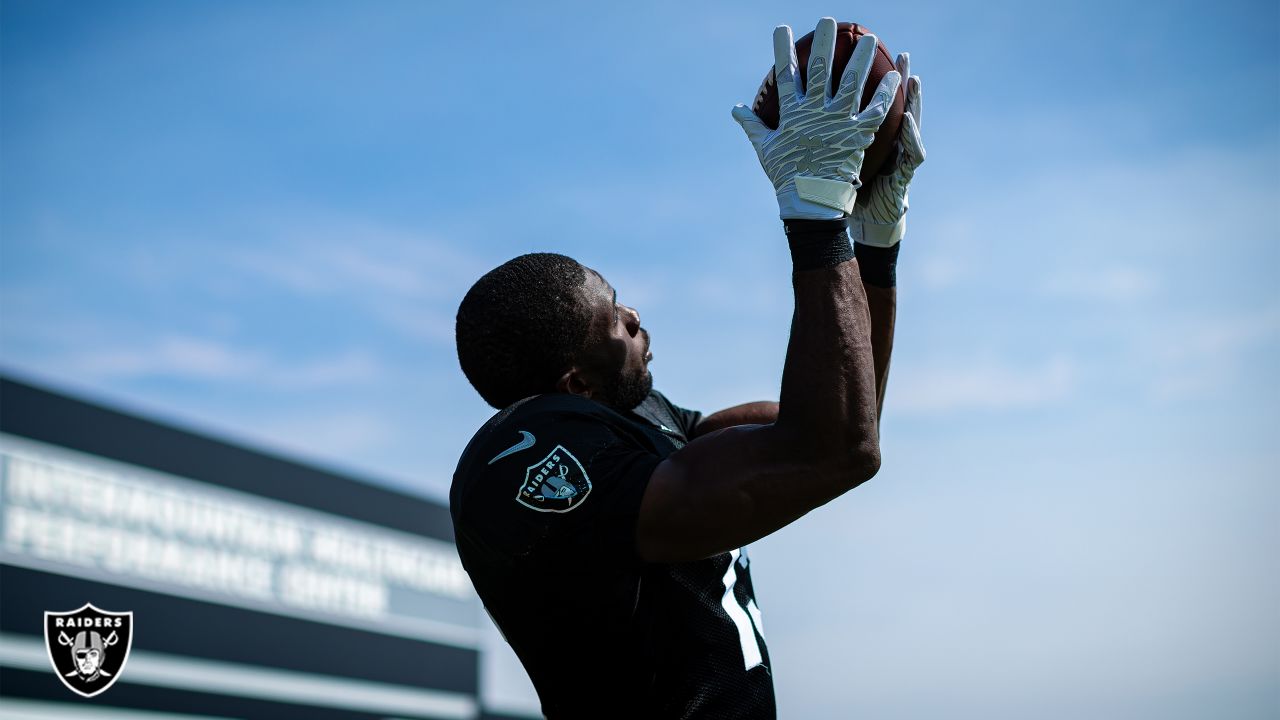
[(544, 504)]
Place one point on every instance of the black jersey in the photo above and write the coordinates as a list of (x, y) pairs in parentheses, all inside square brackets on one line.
[(544, 503)]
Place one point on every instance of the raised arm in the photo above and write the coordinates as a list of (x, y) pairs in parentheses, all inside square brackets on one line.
[(738, 484), (882, 307), (879, 222)]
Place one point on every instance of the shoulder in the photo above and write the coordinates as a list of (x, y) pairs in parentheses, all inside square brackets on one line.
[(661, 403), (543, 423), (673, 420), (553, 471), (559, 414)]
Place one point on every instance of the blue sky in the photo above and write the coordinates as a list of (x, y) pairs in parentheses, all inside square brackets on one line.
[(257, 219)]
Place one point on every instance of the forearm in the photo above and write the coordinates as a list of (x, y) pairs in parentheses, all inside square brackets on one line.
[(878, 267), (761, 412), (828, 397), (882, 304), (740, 483)]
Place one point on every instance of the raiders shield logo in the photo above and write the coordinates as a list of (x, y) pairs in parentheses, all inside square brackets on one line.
[(88, 647), (557, 483)]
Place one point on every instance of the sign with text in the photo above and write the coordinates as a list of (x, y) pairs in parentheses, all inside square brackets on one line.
[(78, 515)]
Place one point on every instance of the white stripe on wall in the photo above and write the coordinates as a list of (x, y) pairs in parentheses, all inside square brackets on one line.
[(263, 683), (13, 709), (440, 633)]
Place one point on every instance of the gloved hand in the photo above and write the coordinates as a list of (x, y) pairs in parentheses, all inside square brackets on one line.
[(880, 216), (815, 155)]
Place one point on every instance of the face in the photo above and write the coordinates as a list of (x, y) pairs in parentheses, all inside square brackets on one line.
[(616, 361), (87, 661)]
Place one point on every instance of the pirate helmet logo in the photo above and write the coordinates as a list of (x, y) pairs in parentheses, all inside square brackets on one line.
[(557, 483), (88, 648)]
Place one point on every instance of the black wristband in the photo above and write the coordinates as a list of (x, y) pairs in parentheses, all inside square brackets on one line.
[(818, 244), (879, 266)]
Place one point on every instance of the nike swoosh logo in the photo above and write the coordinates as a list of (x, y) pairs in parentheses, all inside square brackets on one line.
[(524, 444)]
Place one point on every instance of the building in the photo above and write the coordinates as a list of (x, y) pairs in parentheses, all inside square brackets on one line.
[(259, 586)]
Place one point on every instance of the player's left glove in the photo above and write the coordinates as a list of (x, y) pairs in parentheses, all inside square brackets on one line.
[(879, 217)]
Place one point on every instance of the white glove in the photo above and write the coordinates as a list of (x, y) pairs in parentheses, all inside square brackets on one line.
[(880, 216), (815, 155)]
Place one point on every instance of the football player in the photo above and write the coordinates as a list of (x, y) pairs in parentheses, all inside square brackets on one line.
[(601, 524)]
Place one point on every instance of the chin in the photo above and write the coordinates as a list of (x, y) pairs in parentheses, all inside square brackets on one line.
[(629, 392)]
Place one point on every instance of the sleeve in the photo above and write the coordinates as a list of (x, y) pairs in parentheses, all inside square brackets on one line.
[(572, 495), (687, 419)]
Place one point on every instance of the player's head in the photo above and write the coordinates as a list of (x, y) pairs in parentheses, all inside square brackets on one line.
[(543, 323)]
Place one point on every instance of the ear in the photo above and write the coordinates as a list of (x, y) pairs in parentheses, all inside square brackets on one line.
[(574, 382)]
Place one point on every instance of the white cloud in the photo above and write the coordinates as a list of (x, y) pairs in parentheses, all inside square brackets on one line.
[(341, 435), (344, 369), (1121, 273), (357, 259), (431, 324), (988, 384), (406, 281), (1198, 355), (1115, 284), (940, 272), (202, 359), (329, 269), (175, 356), (1201, 337), (935, 254)]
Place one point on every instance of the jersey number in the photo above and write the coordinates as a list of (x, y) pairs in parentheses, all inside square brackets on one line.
[(747, 625)]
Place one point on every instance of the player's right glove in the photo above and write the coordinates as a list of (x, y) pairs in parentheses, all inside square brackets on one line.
[(880, 215), (815, 155)]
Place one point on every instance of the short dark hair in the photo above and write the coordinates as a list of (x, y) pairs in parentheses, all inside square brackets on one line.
[(522, 325)]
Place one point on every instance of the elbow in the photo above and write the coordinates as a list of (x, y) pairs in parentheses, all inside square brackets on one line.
[(847, 470), (862, 463), (842, 461), (867, 462)]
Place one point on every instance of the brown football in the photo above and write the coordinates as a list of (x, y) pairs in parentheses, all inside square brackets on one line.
[(847, 34)]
